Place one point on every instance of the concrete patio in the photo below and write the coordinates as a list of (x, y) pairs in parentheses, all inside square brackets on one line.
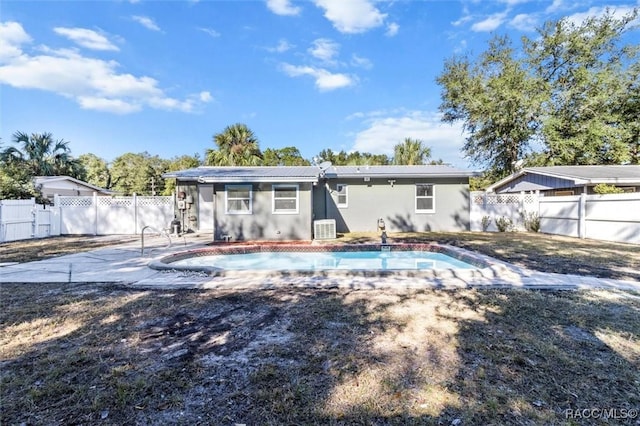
[(124, 264)]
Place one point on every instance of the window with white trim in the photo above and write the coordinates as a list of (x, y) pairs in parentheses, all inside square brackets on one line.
[(342, 193), (425, 198), (285, 199), (238, 199)]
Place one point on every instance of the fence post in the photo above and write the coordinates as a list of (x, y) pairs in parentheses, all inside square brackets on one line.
[(34, 224), (135, 213), (582, 213), (95, 213)]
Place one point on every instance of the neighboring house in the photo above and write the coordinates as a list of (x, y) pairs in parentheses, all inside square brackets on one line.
[(66, 185), (246, 203), (568, 180)]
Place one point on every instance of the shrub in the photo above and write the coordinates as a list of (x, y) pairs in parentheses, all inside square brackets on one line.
[(504, 224), (486, 221), (531, 221), (603, 188)]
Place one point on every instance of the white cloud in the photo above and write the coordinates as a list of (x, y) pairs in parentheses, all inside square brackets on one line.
[(94, 84), (86, 38), (361, 62), (617, 11), (466, 17), (353, 16), (555, 6), (283, 7), (489, 24), (146, 22), (392, 29), (213, 33), (12, 36), (114, 106), (386, 129), (324, 49), (324, 80), (524, 22), (283, 46), (205, 97)]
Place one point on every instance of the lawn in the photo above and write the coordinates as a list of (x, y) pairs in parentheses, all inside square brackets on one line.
[(85, 354)]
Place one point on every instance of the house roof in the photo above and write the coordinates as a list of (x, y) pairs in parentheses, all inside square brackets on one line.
[(310, 173), (42, 180), (579, 175)]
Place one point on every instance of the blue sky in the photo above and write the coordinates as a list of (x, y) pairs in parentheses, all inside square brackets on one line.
[(122, 76)]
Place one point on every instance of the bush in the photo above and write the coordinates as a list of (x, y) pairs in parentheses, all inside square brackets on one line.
[(531, 221), (486, 221), (603, 188), (504, 224)]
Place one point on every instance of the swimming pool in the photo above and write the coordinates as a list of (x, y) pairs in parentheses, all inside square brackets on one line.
[(324, 260), (343, 260)]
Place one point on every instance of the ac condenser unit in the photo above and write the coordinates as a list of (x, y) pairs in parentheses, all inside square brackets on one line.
[(324, 229)]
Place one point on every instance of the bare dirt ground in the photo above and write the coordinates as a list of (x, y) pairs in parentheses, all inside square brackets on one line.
[(104, 354)]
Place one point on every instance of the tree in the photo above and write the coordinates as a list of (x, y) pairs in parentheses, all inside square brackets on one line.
[(180, 163), (40, 155), (96, 170), (287, 156), (590, 82), (573, 90), (411, 152), (498, 103), (354, 158), (138, 173), (237, 146)]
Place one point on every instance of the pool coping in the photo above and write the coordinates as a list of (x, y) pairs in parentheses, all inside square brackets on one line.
[(486, 267)]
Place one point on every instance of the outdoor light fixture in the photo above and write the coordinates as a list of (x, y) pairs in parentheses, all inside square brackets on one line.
[(391, 182)]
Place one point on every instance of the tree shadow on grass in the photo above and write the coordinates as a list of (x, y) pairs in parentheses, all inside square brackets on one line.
[(310, 356)]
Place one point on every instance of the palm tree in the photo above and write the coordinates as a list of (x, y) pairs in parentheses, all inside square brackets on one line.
[(40, 155), (237, 146), (411, 152)]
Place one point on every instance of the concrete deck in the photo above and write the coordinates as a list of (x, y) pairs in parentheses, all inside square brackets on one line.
[(124, 264)]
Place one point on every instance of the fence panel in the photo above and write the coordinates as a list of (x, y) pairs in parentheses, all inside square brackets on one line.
[(115, 215), (16, 219), (43, 221), (156, 212), (613, 217), (560, 215), (496, 206), (77, 215)]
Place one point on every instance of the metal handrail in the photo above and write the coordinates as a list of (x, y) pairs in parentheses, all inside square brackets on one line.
[(158, 232)]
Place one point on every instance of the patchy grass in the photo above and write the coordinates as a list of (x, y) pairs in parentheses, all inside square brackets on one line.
[(81, 354), (44, 248), (91, 353)]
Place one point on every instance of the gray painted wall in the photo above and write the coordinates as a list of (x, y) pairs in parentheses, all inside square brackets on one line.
[(263, 224), (369, 201)]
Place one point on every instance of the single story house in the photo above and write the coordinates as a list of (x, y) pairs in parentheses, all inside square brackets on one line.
[(66, 185), (568, 180), (298, 202)]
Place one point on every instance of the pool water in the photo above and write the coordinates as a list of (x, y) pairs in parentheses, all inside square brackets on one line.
[(311, 261)]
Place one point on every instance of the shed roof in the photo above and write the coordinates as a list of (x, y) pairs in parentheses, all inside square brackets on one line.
[(580, 175), (309, 173), (45, 180)]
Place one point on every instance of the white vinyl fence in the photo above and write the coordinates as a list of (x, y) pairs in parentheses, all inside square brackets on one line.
[(611, 217), (23, 219), (92, 215)]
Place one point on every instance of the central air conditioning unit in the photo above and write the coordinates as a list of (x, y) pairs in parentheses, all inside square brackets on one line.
[(324, 229)]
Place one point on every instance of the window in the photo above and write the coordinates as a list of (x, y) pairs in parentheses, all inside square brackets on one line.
[(342, 192), (285, 199), (425, 199), (238, 199)]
